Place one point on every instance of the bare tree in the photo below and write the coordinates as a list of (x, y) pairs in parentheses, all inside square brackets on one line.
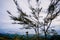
[(53, 12), (32, 21), (29, 21)]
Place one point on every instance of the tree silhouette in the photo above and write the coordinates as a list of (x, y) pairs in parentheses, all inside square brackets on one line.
[(32, 21), (25, 19), (53, 12)]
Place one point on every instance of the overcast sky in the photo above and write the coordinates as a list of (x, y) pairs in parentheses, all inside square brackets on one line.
[(5, 21)]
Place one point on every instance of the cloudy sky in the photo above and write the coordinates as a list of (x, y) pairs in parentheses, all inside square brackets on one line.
[(5, 20)]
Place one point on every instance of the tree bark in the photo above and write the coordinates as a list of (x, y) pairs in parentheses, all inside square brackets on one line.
[(37, 33), (45, 36)]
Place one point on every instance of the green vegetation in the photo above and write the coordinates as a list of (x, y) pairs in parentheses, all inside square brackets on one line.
[(24, 37)]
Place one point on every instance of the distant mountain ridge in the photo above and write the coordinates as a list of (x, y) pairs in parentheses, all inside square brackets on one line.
[(11, 36)]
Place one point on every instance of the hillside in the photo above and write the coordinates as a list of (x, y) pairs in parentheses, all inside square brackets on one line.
[(25, 37)]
